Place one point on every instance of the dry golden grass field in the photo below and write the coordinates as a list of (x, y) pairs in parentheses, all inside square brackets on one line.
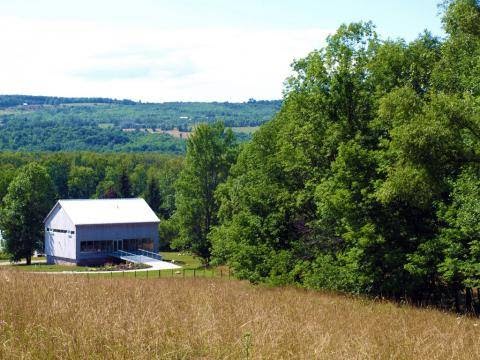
[(71, 317)]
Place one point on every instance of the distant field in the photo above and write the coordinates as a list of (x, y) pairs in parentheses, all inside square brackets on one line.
[(106, 126), (75, 317), (245, 129)]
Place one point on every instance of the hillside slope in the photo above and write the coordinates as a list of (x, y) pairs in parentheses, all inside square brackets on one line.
[(214, 319), (38, 123)]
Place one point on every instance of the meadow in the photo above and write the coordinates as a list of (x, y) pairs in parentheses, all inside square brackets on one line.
[(74, 317)]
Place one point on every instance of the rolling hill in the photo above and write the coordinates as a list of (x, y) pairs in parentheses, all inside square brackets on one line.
[(40, 123)]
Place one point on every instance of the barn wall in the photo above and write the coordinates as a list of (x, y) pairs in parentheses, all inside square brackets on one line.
[(60, 244), (115, 232)]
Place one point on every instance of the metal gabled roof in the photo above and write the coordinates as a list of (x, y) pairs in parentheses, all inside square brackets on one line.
[(107, 211)]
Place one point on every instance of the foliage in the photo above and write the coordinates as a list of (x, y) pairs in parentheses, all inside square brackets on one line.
[(29, 197), (152, 195), (125, 188), (367, 179), (210, 152)]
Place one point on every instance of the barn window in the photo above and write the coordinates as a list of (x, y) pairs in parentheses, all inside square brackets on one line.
[(147, 244), (96, 246), (135, 244), (61, 231)]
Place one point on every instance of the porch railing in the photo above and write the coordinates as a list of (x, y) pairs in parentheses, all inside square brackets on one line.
[(147, 253), (138, 255), (125, 254)]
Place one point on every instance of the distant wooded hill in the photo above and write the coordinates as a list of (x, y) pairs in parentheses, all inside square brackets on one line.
[(42, 123), (15, 100)]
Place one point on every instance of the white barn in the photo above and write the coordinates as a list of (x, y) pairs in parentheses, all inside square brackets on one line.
[(90, 232)]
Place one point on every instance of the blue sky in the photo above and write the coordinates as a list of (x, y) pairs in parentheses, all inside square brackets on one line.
[(180, 50)]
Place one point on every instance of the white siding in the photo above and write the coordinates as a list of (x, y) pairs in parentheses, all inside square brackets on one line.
[(60, 244)]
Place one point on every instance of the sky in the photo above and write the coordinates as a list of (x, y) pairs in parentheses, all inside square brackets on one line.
[(180, 50)]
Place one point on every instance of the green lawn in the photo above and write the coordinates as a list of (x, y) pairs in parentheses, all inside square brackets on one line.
[(185, 260), (191, 267), (165, 274), (47, 267), (151, 274), (5, 258)]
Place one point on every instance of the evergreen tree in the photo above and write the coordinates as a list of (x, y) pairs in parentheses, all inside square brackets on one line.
[(152, 196), (125, 187)]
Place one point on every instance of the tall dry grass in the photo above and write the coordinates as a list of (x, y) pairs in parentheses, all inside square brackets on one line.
[(71, 317)]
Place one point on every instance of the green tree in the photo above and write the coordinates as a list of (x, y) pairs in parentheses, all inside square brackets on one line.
[(29, 198), (354, 185), (58, 169), (268, 218), (211, 150), (82, 182), (458, 70), (7, 173), (152, 195), (108, 187), (139, 179), (124, 186), (107, 190), (430, 153)]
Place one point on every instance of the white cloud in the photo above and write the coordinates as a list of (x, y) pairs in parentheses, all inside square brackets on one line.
[(148, 63)]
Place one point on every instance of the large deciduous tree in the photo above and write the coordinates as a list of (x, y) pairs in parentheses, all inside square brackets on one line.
[(82, 181), (211, 150), (30, 196), (367, 180)]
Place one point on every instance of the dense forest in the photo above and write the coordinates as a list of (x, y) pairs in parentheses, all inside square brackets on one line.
[(40, 123), (366, 181)]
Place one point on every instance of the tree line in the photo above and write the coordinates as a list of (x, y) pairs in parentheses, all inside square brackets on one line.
[(22, 100), (79, 134), (367, 180)]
